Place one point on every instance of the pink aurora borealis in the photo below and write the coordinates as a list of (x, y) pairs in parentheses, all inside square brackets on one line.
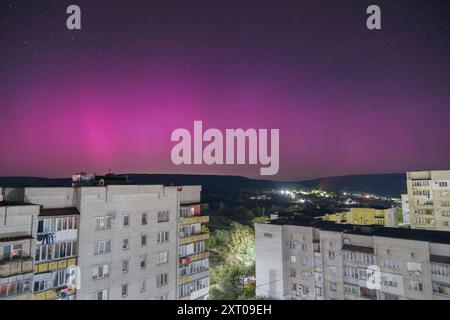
[(109, 96)]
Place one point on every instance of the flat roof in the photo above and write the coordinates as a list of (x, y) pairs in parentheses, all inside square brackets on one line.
[(368, 230), (15, 204), (70, 211)]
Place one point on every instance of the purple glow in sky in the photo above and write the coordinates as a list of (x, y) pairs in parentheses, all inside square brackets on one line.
[(346, 100)]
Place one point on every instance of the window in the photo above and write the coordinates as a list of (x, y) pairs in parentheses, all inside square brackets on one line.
[(413, 266), (102, 223), (332, 270), (351, 290), (317, 277), (42, 282), (304, 247), (440, 270), (124, 266), (142, 286), (441, 288), (304, 261), (12, 251), (390, 264), (163, 216), (102, 246), (125, 244), (126, 220), (415, 285), (101, 271), (58, 250), (143, 240), (143, 262), (332, 285), (350, 272), (390, 282), (362, 274), (443, 184), (161, 279), (318, 292), (293, 273), (294, 286), (267, 235), (162, 236), (331, 254), (17, 287), (365, 258), (293, 259), (184, 291), (101, 295), (162, 257), (144, 220), (59, 278), (124, 290)]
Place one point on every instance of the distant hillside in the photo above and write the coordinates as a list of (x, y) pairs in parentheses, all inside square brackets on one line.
[(382, 184)]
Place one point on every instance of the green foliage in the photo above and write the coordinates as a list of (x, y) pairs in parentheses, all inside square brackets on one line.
[(237, 263)]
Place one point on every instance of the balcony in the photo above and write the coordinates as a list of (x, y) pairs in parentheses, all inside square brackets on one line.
[(194, 219), (54, 294), (16, 266), (194, 238), (194, 276), (194, 257)]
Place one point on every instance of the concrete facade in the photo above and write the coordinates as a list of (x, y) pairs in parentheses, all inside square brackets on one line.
[(18, 227), (429, 199), (134, 242), (331, 261)]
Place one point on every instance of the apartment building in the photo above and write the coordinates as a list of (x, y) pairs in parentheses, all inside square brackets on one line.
[(18, 227), (56, 251), (307, 259), (120, 242), (429, 199), (406, 217), (366, 216), (193, 258)]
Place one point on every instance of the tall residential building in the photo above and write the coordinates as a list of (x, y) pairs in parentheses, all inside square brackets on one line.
[(18, 226), (429, 199), (405, 210), (367, 216), (303, 258), (56, 252), (119, 242)]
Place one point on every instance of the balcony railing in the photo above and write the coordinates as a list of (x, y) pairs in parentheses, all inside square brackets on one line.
[(194, 238), (16, 266), (194, 219)]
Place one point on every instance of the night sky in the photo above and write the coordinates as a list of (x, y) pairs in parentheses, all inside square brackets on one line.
[(347, 100)]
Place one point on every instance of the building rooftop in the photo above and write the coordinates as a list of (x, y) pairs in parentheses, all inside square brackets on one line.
[(14, 203), (368, 230), (59, 212)]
